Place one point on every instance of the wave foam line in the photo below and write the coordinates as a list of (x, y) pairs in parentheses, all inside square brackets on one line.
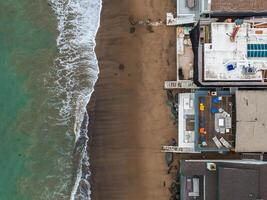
[(76, 74)]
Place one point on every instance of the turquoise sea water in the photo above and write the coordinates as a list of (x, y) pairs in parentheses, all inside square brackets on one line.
[(27, 49), (47, 72)]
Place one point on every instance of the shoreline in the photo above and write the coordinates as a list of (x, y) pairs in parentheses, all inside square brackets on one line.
[(129, 119)]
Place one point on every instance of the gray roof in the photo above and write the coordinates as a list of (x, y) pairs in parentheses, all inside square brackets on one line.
[(251, 121), (232, 180), (237, 183), (238, 5)]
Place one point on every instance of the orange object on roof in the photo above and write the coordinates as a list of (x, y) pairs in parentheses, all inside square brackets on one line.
[(259, 31), (202, 130), (234, 33)]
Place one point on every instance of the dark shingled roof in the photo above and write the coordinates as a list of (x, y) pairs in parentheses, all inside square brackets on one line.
[(233, 180), (238, 183), (238, 5)]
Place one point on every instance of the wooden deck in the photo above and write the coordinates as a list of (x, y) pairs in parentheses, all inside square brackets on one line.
[(207, 120)]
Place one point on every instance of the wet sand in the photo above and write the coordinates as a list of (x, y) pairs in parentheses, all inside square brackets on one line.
[(129, 118)]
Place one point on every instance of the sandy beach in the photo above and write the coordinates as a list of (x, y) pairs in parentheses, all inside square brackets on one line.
[(129, 116)]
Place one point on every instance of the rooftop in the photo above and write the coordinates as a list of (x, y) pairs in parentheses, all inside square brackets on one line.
[(242, 59), (238, 5), (251, 121), (223, 179), (205, 121), (186, 122)]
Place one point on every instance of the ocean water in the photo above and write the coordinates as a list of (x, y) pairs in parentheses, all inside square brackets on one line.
[(48, 71)]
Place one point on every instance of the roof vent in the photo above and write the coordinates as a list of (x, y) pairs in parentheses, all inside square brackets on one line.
[(211, 166)]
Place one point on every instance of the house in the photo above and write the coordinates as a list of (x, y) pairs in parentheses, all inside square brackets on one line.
[(222, 121), (232, 53), (223, 180)]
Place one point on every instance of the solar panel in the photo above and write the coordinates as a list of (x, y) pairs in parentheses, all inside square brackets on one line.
[(257, 50)]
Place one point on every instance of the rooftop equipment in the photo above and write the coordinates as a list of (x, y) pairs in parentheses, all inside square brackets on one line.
[(191, 3), (231, 67), (211, 166), (249, 70), (257, 50)]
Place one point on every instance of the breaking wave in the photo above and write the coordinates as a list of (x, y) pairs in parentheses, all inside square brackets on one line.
[(76, 69)]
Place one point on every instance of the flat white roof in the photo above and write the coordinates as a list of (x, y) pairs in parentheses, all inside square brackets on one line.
[(186, 138), (222, 52)]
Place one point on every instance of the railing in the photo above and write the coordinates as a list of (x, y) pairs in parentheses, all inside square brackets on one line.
[(180, 84), (176, 149)]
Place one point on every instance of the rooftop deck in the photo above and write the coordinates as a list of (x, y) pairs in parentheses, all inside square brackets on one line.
[(213, 119)]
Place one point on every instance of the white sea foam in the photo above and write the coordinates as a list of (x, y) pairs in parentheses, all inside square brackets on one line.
[(76, 71)]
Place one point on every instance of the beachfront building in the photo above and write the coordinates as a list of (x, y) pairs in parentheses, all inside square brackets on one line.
[(220, 43), (223, 179), (186, 118), (223, 45), (188, 12), (191, 11), (233, 53), (187, 15), (221, 121), (205, 121)]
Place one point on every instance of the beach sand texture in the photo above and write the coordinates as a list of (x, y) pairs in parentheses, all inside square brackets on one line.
[(129, 118)]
